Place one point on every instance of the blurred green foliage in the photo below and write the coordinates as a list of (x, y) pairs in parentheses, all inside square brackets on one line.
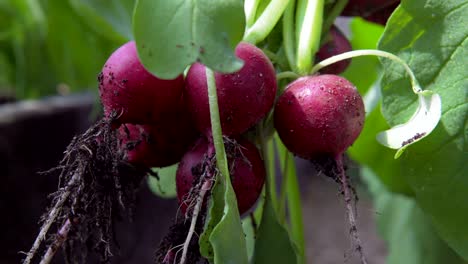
[(51, 46)]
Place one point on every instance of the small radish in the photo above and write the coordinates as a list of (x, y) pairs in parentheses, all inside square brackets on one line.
[(318, 118), (244, 97), (319, 115), (336, 44), (158, 145), (131, 93), (377, 11), (382, 15), (246, 167)]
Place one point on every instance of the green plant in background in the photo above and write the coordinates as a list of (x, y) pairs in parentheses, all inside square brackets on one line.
[(420, 192), (47, 43)]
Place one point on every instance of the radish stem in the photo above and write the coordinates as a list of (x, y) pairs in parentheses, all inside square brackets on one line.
[(379, 53), (289, 34), (309, 35), (221, 159), (266, 22)]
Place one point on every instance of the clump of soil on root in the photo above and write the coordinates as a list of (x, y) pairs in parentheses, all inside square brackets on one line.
[(96, 188), (328, 167)]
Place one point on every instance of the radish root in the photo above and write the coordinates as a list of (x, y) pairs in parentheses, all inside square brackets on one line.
[(205, 187), (350, 208), (51, 219), (61, 237)]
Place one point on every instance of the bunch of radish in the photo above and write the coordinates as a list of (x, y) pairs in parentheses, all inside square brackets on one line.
[(157, 118), (163, 122), (151, 113), (156, 122)]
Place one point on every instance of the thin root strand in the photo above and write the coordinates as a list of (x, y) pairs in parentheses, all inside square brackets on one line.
[(348, 192), (54, 212), (205, 187), (60, 238)]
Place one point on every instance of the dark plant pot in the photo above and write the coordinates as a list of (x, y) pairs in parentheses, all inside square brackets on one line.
[(33, 137)]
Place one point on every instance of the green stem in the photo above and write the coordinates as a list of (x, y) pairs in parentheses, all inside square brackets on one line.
[(293, 199), (309, 36), (379, 53), (333, 14), (287, 74), (271, 170), (250, 9), (221, 159), (295, 208), (300, 14), (282, 197), (272, 56), (268, 154), (266, 22), (289, 35)]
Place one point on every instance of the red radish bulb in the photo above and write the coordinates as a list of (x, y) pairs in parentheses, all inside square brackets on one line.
[(244, 97), (377, 11), (382, 15), (337, 44), (158, 145), (246, 167), (135, 95), (319, 116)]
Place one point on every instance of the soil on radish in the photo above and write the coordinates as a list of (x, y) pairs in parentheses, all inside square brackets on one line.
[(326, 165), (96, 188), (171, 247)]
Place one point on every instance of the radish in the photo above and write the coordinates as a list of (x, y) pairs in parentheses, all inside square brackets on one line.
[(319, 115), (158, 145), (318, 118), (336, 44), (377, 11), (244, 97), (382, 15), (246, 167), (131, 93)]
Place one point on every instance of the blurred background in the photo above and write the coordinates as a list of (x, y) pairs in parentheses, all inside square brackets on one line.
[(57, 47), (51, 52)]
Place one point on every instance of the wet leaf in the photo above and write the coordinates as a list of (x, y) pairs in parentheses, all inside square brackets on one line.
[(171, 35), (428, 35), (363, 73), (273, 244), (408, 231), (222, 240), (227, 237), (165, 187)]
